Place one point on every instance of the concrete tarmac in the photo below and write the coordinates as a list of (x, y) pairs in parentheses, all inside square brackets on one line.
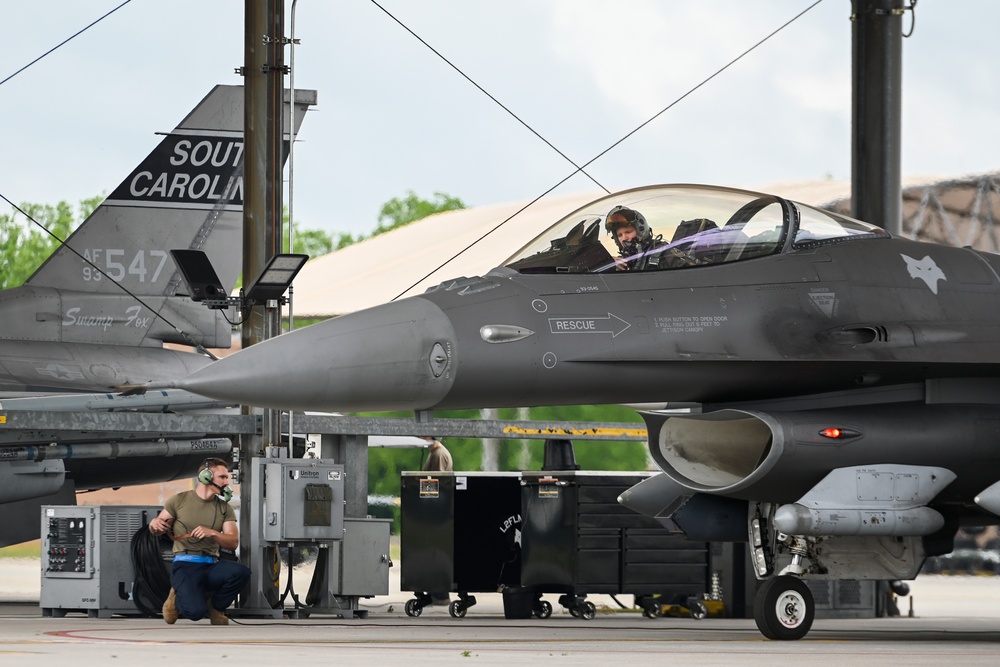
[(956, 619)]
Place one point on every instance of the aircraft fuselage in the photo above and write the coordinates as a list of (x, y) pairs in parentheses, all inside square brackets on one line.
[(819, 320)]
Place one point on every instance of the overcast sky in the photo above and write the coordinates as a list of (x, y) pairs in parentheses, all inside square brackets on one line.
[(392, 116)]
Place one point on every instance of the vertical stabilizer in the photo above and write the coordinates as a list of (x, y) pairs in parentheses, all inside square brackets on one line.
[(186, 194)]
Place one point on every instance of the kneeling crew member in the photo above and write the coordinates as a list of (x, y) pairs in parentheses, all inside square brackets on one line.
[(200, 523)]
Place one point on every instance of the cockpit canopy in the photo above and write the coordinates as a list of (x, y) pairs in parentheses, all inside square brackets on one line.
[(692, 225)]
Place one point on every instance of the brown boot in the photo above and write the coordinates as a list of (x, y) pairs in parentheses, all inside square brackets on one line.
[(214, 615), (217, 617), (170, 608)]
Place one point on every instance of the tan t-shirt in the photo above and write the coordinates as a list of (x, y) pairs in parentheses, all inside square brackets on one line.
[(190, 511), (438, 458)]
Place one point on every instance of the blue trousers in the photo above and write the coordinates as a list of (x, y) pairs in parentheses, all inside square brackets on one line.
[(197, 583)]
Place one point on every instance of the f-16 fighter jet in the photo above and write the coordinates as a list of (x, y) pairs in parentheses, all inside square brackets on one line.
[(830, 391)]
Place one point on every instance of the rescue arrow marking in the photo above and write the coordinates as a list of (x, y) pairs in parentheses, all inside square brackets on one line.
[(611, 324)]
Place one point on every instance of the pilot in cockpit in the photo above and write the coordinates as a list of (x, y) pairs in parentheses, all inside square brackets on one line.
[(634, 237)]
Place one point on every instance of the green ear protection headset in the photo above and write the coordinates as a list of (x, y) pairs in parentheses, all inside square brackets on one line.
[(206, 476)]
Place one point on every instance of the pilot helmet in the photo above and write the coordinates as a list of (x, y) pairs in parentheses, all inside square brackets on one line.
[(632, 218)]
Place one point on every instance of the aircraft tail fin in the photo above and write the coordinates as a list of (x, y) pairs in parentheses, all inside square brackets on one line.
[(186, 194)]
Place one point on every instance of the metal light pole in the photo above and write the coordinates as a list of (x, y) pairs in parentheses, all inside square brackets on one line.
[(876, 189), (264, 74)]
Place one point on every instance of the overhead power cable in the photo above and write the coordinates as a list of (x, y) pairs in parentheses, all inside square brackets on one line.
[(71, 37), (580, 169), (548, 143), (62, 243)]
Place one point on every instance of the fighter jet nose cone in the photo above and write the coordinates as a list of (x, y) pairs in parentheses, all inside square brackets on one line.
[(398, 356)]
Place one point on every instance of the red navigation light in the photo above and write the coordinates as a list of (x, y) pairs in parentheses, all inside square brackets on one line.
[(832, 433)]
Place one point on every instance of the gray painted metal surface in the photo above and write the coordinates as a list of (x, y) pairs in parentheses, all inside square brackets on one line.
[(30, 424), (798, 342), (97, 313)]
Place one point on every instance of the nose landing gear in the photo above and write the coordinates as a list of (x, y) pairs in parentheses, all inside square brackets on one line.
[(784, 608)]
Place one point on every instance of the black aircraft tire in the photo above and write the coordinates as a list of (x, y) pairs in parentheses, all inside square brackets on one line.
[(784, 608), (758, 617)]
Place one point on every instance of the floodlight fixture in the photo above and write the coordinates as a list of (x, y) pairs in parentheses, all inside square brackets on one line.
[(273, 281), (200, 278)]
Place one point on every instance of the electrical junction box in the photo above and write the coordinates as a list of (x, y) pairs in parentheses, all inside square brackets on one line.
[(303, 500), (86, 558), (359, 565)]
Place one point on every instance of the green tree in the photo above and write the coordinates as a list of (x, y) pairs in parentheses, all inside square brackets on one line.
[(25, 246), (345, 240), (312, 242), (396, 212), (402, 211), (386, 464)]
